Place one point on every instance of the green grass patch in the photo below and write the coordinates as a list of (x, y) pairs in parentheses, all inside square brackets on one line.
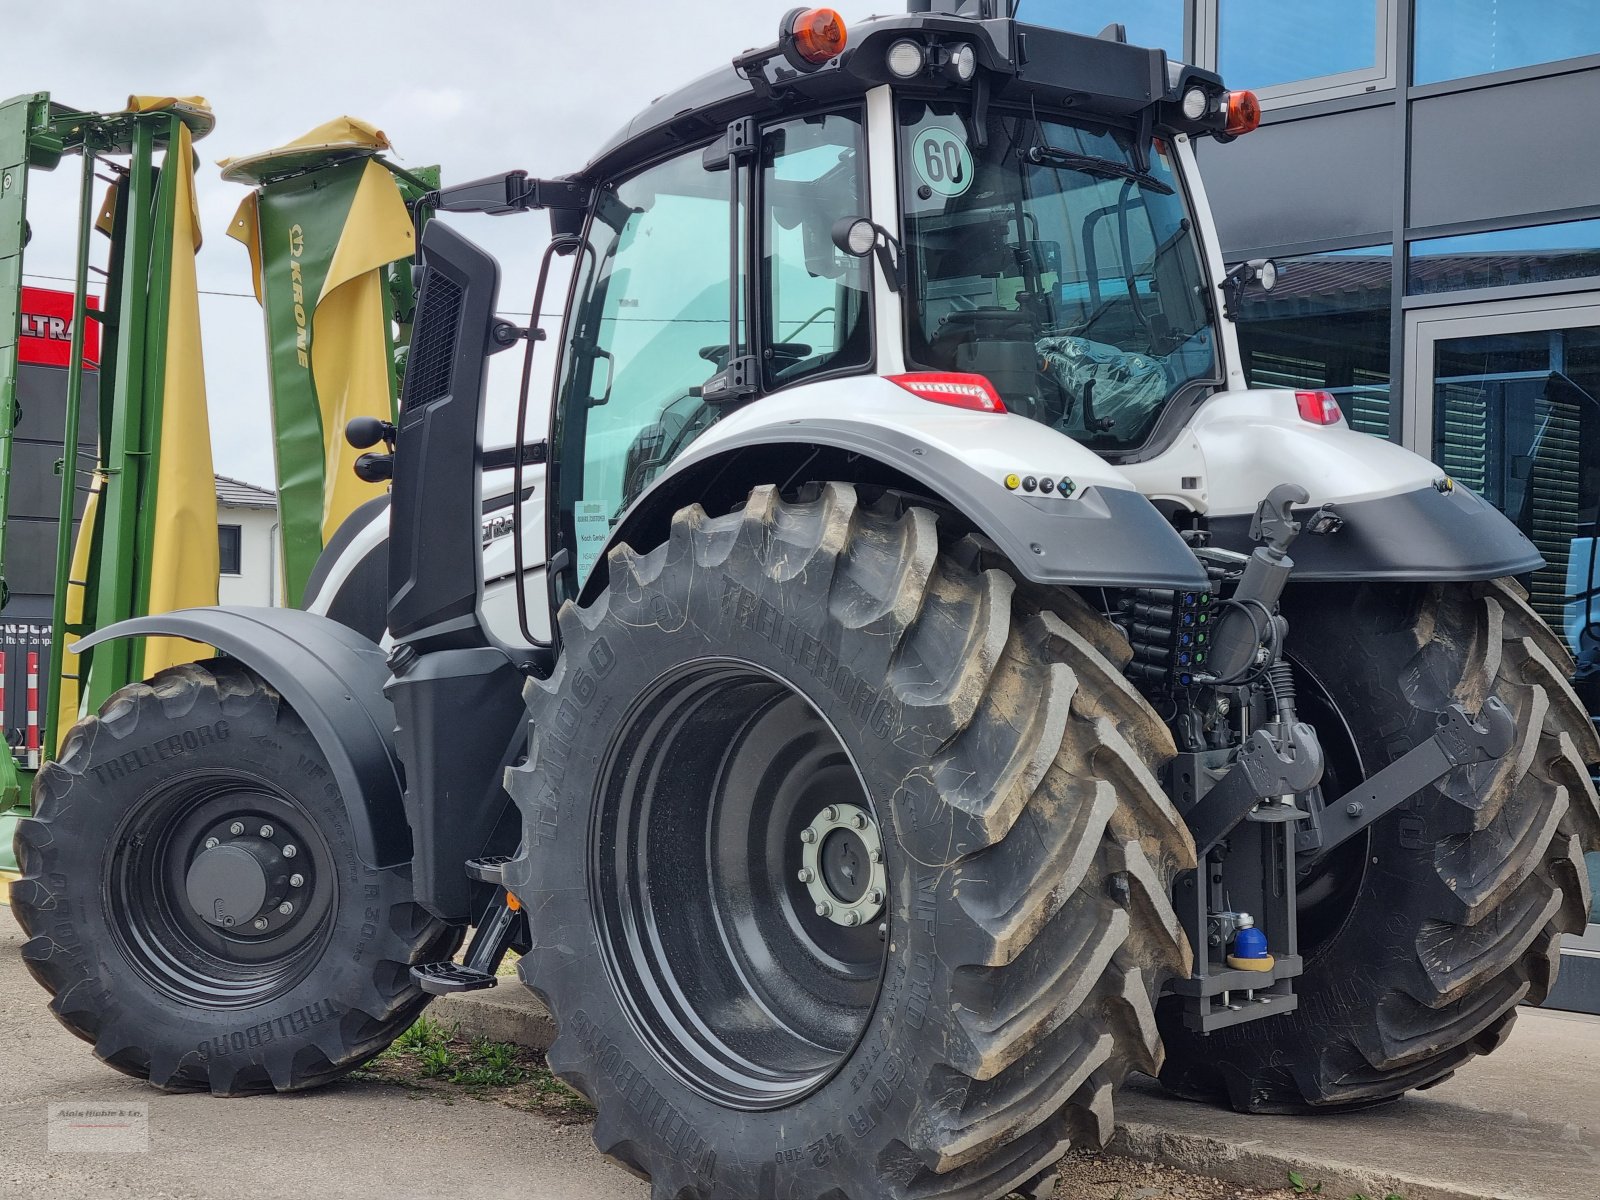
[(433, 1057)]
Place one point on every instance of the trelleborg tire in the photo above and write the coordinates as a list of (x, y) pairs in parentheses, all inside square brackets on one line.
[(1431, 928), (119, 829), (767, 685)]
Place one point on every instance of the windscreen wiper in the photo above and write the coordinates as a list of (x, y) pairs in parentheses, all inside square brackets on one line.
[(1090, 164)]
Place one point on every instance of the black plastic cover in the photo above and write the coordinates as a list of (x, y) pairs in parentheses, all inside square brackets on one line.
[(1424, 536), (435, 577)]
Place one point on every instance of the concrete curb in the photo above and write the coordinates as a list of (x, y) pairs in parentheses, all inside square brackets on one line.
[(507, 1013), (1259, 1164)]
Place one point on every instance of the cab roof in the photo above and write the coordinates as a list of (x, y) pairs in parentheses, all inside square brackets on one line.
[(1096, 76)]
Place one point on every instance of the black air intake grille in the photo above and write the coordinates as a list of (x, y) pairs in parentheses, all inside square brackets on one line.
[(433, 341)]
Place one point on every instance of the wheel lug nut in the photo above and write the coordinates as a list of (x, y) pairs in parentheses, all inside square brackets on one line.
[(875, 896), (211, 843), (290, 852), (808, 836), (286, 908), (236, 828), (805, 875), (296, 880), (260, 922), (831, 812), (877, 856), (859, 820), (852, 918), (266, 831), (824, 909)]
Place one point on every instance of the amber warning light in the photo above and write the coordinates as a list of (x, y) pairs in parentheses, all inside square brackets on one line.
[(1244, 112), (812, 35)]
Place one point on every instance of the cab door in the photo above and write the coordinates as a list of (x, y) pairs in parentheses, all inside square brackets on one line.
[(661, 301)]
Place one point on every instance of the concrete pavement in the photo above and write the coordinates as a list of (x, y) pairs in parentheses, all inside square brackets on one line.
[(1523, 1124), (346, 1140)]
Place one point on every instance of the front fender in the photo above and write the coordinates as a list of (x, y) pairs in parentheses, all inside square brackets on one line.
[(333, 678), (1105, 535)]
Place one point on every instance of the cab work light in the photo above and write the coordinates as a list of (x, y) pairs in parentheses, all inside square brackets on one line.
[(1320, 408), (814, 35), (955, 388)]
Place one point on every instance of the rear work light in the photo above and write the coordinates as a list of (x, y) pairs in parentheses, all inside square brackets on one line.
[(954, 388), (1320, 408), (1244, 113)]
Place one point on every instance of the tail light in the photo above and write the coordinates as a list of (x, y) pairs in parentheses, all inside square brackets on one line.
[(954, 388), (1244, 112), (1320, 408)]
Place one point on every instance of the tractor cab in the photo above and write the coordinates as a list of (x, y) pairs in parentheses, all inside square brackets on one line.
[(994, 215)]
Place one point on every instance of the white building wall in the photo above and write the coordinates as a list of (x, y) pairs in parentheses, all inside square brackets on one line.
[(259, 580)]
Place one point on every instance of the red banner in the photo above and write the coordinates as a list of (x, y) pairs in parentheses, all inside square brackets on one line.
[(47, 330)]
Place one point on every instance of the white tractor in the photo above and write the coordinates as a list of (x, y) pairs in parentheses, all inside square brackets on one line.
[(923, 685)]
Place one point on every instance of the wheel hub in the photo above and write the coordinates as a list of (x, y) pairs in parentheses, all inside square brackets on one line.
[(246, 876), (842, 867)]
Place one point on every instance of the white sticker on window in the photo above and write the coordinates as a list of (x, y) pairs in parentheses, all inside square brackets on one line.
[(591, 525), (942, 161)]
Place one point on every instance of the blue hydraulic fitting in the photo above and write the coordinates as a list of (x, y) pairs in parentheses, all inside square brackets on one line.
[(1249, 947)]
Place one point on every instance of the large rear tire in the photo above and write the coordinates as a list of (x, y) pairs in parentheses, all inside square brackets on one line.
[(1427, 932), (813, 668), (203, 782)]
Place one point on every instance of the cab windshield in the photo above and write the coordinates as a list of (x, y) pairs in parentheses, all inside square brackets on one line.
[(1045, 256)]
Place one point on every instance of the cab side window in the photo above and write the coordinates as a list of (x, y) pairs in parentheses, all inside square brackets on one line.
[(815, 299)]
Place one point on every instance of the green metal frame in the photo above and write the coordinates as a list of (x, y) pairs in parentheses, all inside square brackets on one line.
[(36, 133)]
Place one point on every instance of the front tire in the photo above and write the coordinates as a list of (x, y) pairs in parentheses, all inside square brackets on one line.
[(740, 700), (202, 781), (1424, 933)]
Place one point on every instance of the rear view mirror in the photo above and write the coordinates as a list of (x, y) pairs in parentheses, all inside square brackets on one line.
[(1262, 272)]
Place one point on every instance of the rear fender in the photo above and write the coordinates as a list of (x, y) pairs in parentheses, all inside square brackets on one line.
[(333, 678), (1105, 534), (1402, 519)]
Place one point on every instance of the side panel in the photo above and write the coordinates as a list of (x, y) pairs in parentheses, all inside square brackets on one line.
[(434, 573), (333, 679), (1104, 534)]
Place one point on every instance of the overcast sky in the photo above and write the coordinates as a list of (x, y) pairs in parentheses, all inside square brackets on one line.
[(477, 88)]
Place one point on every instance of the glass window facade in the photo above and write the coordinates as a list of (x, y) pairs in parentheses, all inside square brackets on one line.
[(1326, 325), (1474, 37), (1264, 43), (1532, 254), (1149, 22), (1517, 418)]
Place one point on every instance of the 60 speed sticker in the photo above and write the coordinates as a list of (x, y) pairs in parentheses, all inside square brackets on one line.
[(942, 161)]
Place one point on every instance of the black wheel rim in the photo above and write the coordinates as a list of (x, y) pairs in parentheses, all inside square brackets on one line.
[(1326, 894), (715, 944), (166, 851)]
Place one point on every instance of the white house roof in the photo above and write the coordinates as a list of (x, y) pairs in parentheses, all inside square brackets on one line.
[(236, 493)]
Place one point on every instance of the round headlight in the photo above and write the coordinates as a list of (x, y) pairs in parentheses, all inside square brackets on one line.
[(1194, 103), (964, 61), (906, 59)]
